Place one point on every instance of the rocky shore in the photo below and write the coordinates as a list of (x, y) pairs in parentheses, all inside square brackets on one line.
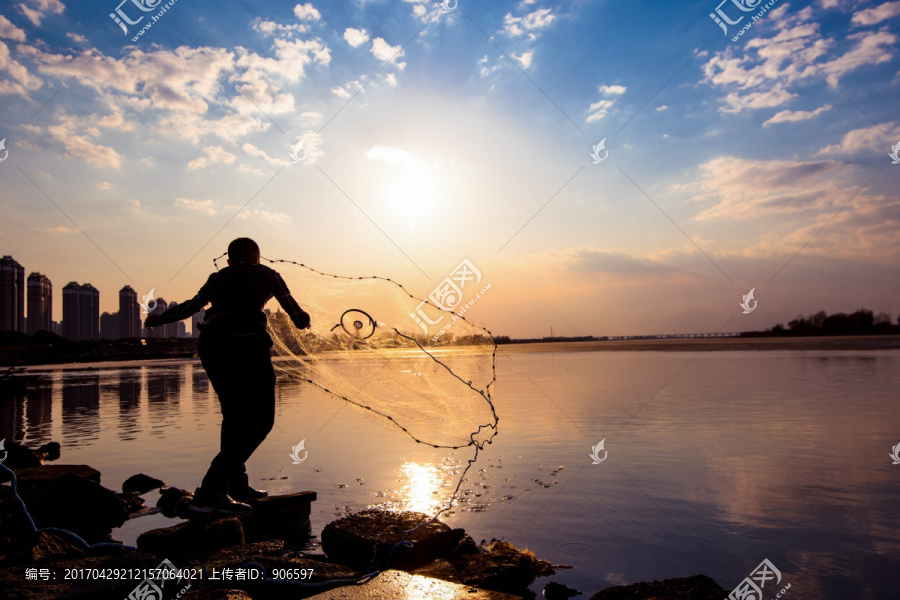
[(56, 542)]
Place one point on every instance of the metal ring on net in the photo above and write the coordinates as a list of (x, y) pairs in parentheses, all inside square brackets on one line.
[(357, 323)]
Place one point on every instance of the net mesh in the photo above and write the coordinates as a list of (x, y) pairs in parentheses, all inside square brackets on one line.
[(412, 365)]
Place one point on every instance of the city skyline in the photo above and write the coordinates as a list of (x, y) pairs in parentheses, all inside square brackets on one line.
[(28, 308)]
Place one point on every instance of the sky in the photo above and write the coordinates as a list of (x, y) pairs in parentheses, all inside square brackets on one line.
[(610, 168)]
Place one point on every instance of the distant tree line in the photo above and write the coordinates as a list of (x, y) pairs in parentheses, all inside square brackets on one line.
[(861, 322)]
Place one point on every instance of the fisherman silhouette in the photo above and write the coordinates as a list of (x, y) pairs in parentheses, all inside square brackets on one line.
[(234, 349)]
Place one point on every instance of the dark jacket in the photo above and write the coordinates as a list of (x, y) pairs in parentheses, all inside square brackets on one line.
[(238, 294)]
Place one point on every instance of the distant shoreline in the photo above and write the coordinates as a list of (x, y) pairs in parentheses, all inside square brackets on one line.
[(836, 342)]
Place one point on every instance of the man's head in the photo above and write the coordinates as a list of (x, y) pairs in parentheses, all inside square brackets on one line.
[(243, 250)]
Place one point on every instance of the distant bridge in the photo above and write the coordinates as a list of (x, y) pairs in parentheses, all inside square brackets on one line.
[(674, 336)]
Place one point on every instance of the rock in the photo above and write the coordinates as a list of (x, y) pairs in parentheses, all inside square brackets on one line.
[(49, 451), (51, 545), (558, 591), (364, 541), (284, 517), (696, 587), (174, 502), (19, 456), (71, 497), (197, 537), (23, 457), (133, 502), (141, 484), (499, 566), (36, 480), (14, 525)]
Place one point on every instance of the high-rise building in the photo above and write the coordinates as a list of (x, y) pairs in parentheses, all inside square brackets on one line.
[(197, 318), (109, 326), (129, 313), (40, 303), (12, 295), (171, 330), (163, 330), (71, 295), (81, 312), (90, 312)]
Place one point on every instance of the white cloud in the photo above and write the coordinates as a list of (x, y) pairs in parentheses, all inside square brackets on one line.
[(385, 52), (524, 58), (271, 28), (307, 12), (391, 79), (865, 139), (537, 20), (18, 81), (776, 96), (762, 75), (10, 31), (877, 14), (214, 154), (76, 142), (356, 37), (261, 214), (41, 9), (104, 186), (736, 188), (663, 107), (392, 155), (787, 116), (77, 38), (598, 110), (613, 90), (207, 206), (254, 151)]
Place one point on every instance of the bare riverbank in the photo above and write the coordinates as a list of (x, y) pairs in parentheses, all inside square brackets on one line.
[(844, 342)]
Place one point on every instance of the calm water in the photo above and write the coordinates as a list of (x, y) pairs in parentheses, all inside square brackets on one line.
[(716, 460)]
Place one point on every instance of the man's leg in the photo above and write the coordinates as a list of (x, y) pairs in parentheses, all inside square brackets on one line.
[(244, 380)]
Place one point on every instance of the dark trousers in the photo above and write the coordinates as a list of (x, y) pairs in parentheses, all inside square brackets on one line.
[(240, 370)]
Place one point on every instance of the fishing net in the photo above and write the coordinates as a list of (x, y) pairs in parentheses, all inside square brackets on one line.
[(413, 365)]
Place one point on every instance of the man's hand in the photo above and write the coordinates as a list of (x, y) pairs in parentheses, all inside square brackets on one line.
[(153, 321)]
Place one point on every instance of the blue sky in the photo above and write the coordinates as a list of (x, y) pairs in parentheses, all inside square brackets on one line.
[(727, 159)]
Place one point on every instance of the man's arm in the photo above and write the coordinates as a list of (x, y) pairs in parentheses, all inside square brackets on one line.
[(298, 316), (180, 311)]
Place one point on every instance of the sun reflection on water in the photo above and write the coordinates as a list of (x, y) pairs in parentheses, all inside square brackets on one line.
[(422, 491)]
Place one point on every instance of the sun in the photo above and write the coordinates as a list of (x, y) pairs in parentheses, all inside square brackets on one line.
[(412, 194)]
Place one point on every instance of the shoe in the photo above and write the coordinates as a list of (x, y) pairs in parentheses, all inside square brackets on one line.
[(220, 503), (239, 489), (246, 492)]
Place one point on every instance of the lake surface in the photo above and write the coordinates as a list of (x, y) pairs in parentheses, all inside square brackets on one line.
[(716, 460)]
